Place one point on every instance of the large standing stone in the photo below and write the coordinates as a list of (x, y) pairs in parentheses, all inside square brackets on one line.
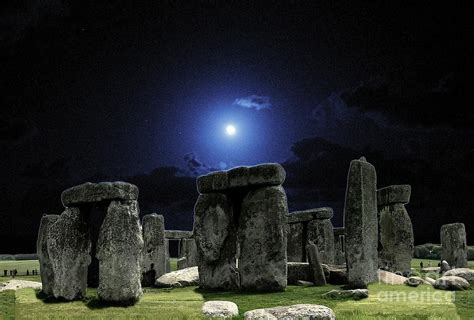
[(339, 256), (187, 253), (95, 192), (216, 242), (155, 253), (396, 230), (69, 251), (453, 243), (262, 239), (321, 233), (296, 242), (46, 268), (361, 224), (119, 250), (314, 259)]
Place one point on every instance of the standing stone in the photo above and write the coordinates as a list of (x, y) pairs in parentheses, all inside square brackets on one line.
[(321, 232), (216, 242), (295, 242), (339, 256), (453, 243), (361, 224), (46, 268), (396, 231), (314, 259), (119, 250), (262, 238), (187, 253), (155, 247), (69, 248)]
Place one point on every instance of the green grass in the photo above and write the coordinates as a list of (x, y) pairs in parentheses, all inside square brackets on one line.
[(21, 266), (385, 302), (7, 305)]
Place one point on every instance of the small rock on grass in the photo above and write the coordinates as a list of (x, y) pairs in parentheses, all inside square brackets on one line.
[(355, 294), (220, 309)]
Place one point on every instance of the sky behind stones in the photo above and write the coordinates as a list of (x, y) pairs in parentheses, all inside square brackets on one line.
[(141, 91)]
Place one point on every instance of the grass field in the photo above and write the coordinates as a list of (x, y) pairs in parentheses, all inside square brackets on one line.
[(385, 302)]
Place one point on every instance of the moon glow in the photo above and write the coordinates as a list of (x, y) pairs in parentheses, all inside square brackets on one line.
[(230, 130)]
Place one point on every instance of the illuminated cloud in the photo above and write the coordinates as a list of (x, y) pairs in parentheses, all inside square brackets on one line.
[(254, 102)]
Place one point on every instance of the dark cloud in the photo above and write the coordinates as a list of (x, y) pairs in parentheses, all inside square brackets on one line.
[(416, 99), (254, 102), (195, 167)]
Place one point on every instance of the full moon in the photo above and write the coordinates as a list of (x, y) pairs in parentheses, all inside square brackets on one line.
[(230, 130)]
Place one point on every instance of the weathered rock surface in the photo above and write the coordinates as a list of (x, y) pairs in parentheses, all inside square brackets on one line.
[(321, 233), (356, 294), (310, 214), (181, 278), (464, 273), (394, 194), (187, 253), (96, 192), (120, 252), (46, 268), (269, 174), (220, 309), (444, 267), (361, 224), (69, 248), (430, 281), (155, 253), (415, 281), (295, 242), (453, 243), (339, 256), (388, 277), (314, 259), (178, 234), (262, 240), (396, 237), (451, 283), (299, 271), (297, 311), (216, 242)]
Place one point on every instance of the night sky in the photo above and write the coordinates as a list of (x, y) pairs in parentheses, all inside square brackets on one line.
[(143, 91)]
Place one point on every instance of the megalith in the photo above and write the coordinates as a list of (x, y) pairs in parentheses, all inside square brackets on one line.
[(46, 268), (96, 241), (240, 228), (296, 239), (310, 225), (361, 224), (395, 228), (216, 241), (187, 253), (320, 232), (155, 251), (453, 244), (69, 247), (262, 239), (314, 260), (119, 250)]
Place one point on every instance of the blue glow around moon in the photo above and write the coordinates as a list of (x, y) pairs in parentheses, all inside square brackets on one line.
[(230, 130)]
